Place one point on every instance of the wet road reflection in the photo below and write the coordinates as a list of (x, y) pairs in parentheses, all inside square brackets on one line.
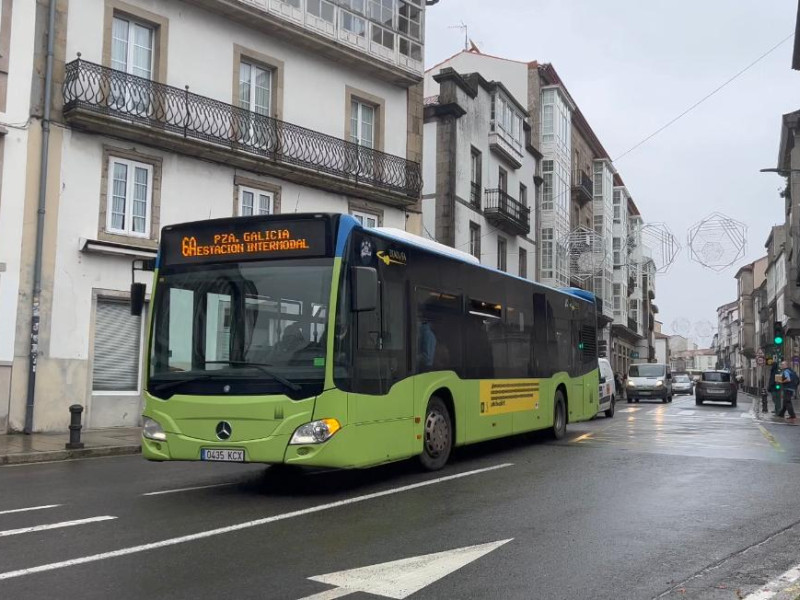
[(682, 428)]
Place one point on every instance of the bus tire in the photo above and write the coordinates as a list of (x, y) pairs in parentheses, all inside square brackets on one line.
[(559, 429), (437, 442), (610, 411)]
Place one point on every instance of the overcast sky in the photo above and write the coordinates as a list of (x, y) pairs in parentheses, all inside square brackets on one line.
[(632, 66)]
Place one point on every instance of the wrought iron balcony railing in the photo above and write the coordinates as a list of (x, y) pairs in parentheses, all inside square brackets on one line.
[(508, 214), (92, 87), (582, 186)]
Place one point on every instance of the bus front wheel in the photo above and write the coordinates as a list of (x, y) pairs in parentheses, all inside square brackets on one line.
[(559, 416), (437, 436)]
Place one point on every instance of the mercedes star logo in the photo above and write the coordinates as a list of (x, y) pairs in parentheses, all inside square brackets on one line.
[(224, 430)]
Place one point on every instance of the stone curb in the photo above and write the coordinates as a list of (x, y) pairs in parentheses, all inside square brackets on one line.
[(55, 455)]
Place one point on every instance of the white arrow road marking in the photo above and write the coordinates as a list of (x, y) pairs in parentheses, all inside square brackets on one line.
[(240, 526), (19, 510), (54, 525), (776, 585), (400, 578)]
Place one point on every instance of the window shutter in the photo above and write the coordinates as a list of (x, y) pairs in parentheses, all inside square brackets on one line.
[(117, 337)]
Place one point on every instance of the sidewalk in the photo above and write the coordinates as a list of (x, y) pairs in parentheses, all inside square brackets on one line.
[(18, 448), (767, 417)]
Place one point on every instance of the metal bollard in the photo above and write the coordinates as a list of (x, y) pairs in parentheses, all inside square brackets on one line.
[(74, 428), (764, 407)]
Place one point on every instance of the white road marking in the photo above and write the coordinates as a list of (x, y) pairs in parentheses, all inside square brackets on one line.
[(19, 510), (686, 413), (399, 579), (188, 489), (54, 525), (776, 585), (240, 526)]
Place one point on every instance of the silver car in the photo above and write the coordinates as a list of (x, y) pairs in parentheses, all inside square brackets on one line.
[(682, 384)]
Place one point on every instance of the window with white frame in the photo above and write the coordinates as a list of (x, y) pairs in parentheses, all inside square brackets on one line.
[(255, 202), (547, 253), (410, 49), (381, 11), (255, 88), (617, 299), (362, 124), (617, 248), (355, 5), (117, 347), (130, 193), (409, 18), (523, 263), (547, 186), (382, 36), (365, 219), (353, 24), (322, 9), (548, 115), (617, 206), (132, 47)]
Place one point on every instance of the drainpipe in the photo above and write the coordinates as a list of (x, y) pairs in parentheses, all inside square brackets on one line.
[(37, 265)]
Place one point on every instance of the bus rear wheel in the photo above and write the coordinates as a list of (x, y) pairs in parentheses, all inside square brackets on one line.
[(559, 429), (437, 440)]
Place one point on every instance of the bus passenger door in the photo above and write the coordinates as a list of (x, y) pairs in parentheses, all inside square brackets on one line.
[(381, 401)]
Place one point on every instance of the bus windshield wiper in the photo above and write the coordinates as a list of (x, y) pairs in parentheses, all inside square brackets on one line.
[(163, 386), (263, 367)]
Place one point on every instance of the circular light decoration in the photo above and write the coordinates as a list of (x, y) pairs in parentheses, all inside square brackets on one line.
[(717, 242), (704, 331), (586, 251), (682, 326), (657, 244)]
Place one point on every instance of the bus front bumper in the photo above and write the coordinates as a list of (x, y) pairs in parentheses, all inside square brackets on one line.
[(270, 450)]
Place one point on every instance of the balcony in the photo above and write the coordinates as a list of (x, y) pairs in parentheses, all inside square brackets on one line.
[(506, 147), (320, 29), (582, 188), (111, 102), (507, 214)]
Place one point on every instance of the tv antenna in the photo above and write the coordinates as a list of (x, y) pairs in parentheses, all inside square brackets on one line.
[(465, 29)]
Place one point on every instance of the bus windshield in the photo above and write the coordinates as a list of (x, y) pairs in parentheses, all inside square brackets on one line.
[(254, 327)]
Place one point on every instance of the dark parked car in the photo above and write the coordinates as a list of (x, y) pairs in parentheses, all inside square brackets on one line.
[(716, 385)]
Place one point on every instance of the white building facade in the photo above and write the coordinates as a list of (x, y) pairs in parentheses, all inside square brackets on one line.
[(479, 172), (175, 111)]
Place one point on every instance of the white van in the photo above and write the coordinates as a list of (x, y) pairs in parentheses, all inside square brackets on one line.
[(608, 389)]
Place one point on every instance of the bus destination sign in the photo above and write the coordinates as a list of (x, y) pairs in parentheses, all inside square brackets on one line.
[(246, 240)]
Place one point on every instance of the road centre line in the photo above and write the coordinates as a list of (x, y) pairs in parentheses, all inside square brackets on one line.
[(19, 510), (189, 489), (776, 585), (770, 438), (240, 526), (55, 525)]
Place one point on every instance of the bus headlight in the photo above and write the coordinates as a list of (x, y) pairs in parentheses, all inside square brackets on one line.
[(315, 432), (153, 431)]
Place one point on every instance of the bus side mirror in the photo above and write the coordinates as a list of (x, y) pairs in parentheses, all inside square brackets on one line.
[(363, 289), (137, 298)]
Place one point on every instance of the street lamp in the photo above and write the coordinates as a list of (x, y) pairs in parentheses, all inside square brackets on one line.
[(784, 172)]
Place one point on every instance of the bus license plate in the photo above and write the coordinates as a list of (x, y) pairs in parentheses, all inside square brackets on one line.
[(222, 455)]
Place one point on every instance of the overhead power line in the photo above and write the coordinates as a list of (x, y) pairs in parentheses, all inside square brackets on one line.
[(707, 96)]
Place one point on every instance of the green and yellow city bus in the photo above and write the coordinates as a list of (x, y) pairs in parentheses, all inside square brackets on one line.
[(307, 339)]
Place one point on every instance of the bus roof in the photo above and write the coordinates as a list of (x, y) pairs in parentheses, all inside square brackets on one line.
[(438, 248)]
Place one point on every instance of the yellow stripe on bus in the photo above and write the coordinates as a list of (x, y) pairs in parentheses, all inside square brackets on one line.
[(501, 396)]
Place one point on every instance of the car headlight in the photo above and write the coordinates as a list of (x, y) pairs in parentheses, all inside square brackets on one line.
[(631, 384), (152, 430), (659, 383), (315, 432)]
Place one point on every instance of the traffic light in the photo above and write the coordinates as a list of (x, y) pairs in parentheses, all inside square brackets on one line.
[(777, 333)]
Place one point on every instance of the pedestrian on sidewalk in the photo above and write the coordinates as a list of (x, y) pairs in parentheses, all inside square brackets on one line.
[(789, 382), (772, 388)]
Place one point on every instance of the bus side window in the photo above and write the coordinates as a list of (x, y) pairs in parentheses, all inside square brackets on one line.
[(438, 331), (484, 343), (541, 351)]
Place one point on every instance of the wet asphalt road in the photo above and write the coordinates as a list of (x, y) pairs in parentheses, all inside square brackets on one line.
[(662, 501)]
